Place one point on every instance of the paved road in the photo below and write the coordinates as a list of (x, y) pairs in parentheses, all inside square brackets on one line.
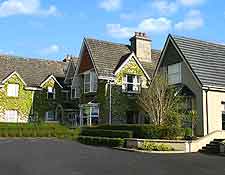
[(56, 157)]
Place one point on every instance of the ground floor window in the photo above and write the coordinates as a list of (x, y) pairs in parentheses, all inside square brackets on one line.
[(50, 116), (132, 117), (90, 114), (11, 116)]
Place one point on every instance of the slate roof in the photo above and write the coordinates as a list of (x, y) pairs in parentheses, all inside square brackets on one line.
[(107, 56), (32, 71), (206, 59)]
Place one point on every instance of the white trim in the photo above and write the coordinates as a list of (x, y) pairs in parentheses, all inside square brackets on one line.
[(33, 88), (14, 73), (132, 55), (222, 89), (170, 38), (106, 78), (53, 77)]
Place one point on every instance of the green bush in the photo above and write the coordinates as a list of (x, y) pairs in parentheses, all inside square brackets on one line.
[(34, 130), (106, 133), (101, 141), (148, 146), (145, 131), (188, 132)]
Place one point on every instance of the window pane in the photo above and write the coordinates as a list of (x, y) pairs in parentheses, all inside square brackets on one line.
[(174, 73), (12, 90), (11, 116)]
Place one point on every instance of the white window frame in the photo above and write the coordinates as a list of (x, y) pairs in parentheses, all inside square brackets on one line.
[(90, 116), (75, 94), (13, 90), (9, 114), (134, 84), (53, 91), (90, 83), (47, 118), (174, 74)]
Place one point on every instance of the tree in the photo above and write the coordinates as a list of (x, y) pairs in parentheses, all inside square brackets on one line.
[(161, 102), (192, 117)]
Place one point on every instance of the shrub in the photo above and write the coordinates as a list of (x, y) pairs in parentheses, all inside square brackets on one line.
[(101, 141), (106, 133), (148, 146), (145, 131)]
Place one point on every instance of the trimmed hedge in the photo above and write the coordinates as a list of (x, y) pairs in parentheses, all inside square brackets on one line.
[(148, 146), (34, 130), (106, 133), (146, 131), (101, 141)]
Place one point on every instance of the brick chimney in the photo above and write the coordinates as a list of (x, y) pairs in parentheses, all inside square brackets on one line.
[(141, 45)]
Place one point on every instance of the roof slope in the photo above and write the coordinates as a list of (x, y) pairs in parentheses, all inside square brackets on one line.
[(108, 56), (32, 71), (206, 59)]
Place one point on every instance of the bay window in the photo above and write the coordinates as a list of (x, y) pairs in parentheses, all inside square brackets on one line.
[(131, 83), (90, 82), (174, 74)]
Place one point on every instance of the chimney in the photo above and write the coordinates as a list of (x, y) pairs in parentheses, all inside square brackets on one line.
[(141, 45), (67, 58)]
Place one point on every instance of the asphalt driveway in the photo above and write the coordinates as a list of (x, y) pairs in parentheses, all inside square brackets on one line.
[(57, 157)]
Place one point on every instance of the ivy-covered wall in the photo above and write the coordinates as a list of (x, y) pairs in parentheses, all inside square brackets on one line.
[(22, 103), (28, 102)]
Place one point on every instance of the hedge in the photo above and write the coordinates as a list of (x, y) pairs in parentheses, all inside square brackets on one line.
[(106, 133), (101, 141), (146, 131), (148, 146), (34, 130)]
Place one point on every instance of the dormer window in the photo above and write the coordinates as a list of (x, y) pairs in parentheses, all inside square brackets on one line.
[(13, 90), (90, 82), (131, 84), (51, 93)]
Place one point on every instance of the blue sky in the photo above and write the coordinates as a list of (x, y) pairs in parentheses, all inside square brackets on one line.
[(53, 28)]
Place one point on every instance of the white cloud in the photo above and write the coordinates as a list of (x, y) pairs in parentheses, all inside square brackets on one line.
[(157, 25), (191, 2), (153, 25), (115, 30), (165, 7), (24, 7), (6, 53), (51, 49), (110, 5), (192, 21)]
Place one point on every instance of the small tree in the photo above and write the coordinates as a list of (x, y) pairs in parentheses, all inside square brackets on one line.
[(160, 102), (192, 117)]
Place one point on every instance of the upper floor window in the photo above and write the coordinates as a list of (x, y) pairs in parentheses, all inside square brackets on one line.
[(131, 84), (75, 92), (174, 73), (13, 90), (51, 93), (90, 82)]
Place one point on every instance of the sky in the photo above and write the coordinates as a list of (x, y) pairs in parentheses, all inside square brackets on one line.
[(52, 29)]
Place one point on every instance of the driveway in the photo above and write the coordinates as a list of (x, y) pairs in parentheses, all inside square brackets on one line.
[(57, 157)]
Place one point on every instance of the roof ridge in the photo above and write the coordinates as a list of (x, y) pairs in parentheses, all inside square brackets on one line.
[(198, 40), (28, 58), (105, 41)]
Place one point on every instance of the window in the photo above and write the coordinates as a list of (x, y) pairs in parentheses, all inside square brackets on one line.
[(90, 82), (75, 92), (50, 116), (51, 93), (13, 90), (11, 116), (131, 84), (90, 115), (174, 73), (65, 95)]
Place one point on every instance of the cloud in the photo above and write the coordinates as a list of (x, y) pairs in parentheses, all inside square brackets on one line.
[(111, 5), (192, 21), (165, 7), (25, 7), (191, 2), (51, 49), (6, 53), (153, 25)]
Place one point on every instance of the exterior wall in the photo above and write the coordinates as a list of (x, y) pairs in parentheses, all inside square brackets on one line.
[(86, 63), (215, 109), (22, 104), (28, 103), (172, 57)]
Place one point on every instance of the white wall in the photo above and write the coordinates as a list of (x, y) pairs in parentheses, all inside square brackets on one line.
[(215, 109)]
